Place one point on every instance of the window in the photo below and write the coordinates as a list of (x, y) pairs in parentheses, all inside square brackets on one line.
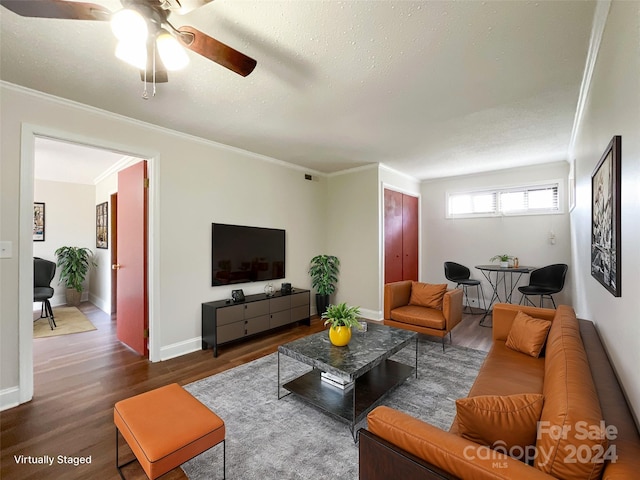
[(522, 200)]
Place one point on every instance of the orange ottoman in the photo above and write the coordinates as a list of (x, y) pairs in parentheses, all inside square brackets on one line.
[(166, 427)]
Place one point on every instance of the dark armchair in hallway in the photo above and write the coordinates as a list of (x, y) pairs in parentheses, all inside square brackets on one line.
[(43, 273)]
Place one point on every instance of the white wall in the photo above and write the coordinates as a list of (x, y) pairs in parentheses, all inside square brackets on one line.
[(100, 285), (399, 182), (69, 221), (228, 187), (613, 108), (199, 182), (353, 235), (473, 241)]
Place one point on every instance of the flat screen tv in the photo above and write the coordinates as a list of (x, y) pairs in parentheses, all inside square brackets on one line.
[(241, 254)]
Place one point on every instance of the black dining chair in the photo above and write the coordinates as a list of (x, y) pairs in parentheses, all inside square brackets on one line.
[(43, 273), (544, 282), (461, 275)]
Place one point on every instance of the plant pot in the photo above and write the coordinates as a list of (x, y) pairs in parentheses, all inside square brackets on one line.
[(73, 297), (504, 264), (340, 336), (322, 302)]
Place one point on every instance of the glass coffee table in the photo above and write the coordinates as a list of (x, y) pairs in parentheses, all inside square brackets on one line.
[(361, 374)]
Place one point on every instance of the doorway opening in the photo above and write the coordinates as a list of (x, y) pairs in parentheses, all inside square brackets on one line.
[(30, 135)]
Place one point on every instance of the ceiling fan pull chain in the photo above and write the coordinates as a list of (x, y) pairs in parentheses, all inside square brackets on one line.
[(145, 94), (154, 69)]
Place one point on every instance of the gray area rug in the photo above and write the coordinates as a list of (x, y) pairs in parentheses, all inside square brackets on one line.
[(267, 438)]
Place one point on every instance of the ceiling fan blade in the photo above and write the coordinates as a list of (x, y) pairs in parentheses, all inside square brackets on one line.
[(57, 9), (185, 6), (208, 47)]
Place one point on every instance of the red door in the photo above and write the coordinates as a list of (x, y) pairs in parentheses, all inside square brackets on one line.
[(392, 236), (132, 309), (400, 237), (409, 238)]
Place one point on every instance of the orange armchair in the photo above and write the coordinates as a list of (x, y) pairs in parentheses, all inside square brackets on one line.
[(399, 313)]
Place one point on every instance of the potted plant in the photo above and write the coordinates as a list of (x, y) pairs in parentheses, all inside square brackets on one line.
[(74, 263), (341, 318), (504, 260), (324, 276)]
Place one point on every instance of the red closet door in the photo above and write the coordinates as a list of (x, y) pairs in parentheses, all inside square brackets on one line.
[(392, 236), (400, 237), (409, 238)]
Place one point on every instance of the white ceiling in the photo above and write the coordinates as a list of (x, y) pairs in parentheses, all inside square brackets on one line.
[(59, 161), (430, 88)]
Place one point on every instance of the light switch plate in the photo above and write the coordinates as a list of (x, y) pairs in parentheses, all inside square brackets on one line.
[(6, 249)]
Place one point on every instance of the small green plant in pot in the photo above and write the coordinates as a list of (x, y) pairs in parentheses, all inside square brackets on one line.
[(324, 276), (503, 259), (74, 263), (341, 318)]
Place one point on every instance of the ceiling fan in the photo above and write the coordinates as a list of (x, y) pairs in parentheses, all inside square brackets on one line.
[(147, 39)]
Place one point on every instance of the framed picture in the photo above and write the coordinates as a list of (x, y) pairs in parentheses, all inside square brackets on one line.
[(605, 218), (102, 232), (38, 222)]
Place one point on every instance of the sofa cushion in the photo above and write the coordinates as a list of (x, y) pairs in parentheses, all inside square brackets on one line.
[(427, 294), (501, 422), (571, 437), (528, 334), (506, 372), (421, 316), (451, 453)]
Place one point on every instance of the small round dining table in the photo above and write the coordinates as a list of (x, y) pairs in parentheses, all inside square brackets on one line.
[(505, 277)]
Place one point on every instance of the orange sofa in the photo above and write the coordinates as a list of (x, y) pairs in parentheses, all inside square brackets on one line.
[(585, 429), (436, 320)]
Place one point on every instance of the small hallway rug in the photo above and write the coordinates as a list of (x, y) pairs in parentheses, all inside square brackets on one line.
[(68, 320), (267, 438)]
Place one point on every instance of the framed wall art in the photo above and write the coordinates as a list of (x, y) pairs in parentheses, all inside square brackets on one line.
[(38, 222), (605, 218), (102, 232)]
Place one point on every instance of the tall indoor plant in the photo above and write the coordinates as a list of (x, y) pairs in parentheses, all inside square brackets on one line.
[(324, 276), (74, 263)]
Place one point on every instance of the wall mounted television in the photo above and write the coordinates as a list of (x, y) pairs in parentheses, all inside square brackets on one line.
[(242, 254)]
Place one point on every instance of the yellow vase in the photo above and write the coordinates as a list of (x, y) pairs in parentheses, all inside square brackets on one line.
[(340, 336)]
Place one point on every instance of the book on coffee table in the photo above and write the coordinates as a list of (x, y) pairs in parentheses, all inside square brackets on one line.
[(335, 381)]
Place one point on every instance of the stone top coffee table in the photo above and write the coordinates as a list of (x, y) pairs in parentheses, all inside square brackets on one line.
[(364, 361)]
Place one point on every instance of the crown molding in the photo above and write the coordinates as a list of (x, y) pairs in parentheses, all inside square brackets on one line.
[(352, 170), (124, 162), (597, 29), (166, 131), (398, 172)]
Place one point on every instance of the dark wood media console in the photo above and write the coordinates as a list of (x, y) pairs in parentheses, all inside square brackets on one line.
[(224, 321)]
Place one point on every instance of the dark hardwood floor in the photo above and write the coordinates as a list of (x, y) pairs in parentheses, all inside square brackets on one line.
[(78, 378)]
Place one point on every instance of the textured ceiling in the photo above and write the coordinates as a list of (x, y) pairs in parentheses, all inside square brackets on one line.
[(431, 89)]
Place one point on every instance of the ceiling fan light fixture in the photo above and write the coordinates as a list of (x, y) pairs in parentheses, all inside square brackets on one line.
[(171, 52), (133, 53), (129, 26)]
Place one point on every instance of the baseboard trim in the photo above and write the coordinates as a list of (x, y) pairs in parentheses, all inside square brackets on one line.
[(9, 398), (101, 303), (371, 314), (181, 348), (194, 344)]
